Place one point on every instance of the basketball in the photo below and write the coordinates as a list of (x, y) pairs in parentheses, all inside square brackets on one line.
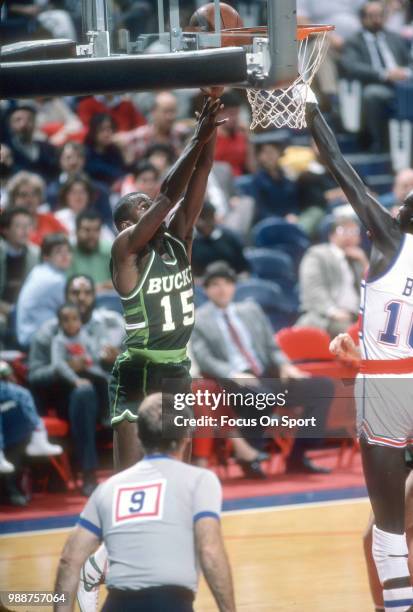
[(204, 17)]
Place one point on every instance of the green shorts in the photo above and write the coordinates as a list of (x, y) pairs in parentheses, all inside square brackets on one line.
[(135, 376)]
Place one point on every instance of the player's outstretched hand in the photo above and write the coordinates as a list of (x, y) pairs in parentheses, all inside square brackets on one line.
[(344, 348), (208, 119)]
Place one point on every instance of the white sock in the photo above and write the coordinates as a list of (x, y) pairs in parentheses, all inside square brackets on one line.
[(390, 555)]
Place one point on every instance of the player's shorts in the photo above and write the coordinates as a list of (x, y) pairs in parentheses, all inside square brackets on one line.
[(385, 409), (134, 377)]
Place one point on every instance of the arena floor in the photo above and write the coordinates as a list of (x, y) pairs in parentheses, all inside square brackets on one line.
[(289, 558)]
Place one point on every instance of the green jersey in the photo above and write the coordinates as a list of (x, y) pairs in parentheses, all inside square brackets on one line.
[(159, 313)]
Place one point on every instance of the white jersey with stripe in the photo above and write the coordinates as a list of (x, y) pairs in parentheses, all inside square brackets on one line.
[(387, 309)]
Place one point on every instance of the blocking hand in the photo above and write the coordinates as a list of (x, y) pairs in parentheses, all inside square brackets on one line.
[(207, 119)]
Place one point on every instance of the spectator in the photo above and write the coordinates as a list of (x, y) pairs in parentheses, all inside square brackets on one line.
[(274, 193), (7, 169), (26, 190), (215, 243), (316, 186), (403, 184), (232, 141), (19, 21), (75, 197), (20, 422), (91, 254), (233, 210), (43, 290), (379, 59), (329, 278), (234, 344), (81, 405), (72, 160), (162, 156), (28, 152), (144, 179), (104, 160), (72, 341), (55, 120), (17, 258), (122, 110), (161, 130), (345, 17)]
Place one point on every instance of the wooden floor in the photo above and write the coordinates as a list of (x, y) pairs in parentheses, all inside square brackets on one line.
[(285, 559)]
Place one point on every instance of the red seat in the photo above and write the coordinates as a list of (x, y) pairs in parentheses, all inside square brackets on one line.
[(58, 428), (353, 330), (304, 343)]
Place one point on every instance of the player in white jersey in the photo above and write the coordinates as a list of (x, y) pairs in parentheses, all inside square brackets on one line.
[(346, 350), (385, 406)]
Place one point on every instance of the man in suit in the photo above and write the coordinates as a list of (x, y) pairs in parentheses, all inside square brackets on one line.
[(234, 344), (379, 59), (329, 278)]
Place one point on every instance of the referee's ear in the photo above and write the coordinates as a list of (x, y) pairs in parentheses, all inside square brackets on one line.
[(186, 446)]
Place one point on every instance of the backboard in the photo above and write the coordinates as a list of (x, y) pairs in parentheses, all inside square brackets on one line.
[(116, 55)]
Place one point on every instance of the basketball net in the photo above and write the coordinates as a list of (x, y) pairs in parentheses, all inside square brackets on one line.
[(285, 107)]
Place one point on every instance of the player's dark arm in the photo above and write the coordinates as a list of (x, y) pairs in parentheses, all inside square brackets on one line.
[(189, 209), (80, 544), (135, 238), (383, 228), (214, 562)]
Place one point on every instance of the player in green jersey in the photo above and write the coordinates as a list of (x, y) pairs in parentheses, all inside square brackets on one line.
[(151, 271)]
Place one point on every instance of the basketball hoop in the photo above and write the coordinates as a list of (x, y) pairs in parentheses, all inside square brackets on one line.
[(285, 106)]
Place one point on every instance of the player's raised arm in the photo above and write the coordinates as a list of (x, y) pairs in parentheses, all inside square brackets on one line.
[(135, 237), (187, 214), (383, 228)]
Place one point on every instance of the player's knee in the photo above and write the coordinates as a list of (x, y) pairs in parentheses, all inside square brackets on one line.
[(390, 555)]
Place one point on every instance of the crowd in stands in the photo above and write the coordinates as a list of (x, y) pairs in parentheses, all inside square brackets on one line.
[(273, 216)]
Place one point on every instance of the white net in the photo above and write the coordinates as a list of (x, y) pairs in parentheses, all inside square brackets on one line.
[(286, 107)]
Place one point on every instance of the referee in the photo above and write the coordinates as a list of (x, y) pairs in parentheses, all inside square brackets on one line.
[(160, 520)]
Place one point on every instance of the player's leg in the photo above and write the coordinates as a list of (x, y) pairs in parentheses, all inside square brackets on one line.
[(126, 448), (126, 391), (409, 520), (374, 582), (385, 473)]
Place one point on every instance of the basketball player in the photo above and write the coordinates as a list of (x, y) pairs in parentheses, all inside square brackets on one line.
[(385, 389), (151, 271), (345, 349)]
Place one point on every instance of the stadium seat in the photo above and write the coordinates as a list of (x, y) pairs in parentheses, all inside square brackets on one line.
[(272, 265), (281, 309), (58, 428), (276, 233), (305, 344), (109, 300)]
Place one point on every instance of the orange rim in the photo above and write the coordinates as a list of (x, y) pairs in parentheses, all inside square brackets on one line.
[(247, 34)]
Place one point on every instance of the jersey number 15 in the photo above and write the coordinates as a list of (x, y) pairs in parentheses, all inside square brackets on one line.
[(188, 310)]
